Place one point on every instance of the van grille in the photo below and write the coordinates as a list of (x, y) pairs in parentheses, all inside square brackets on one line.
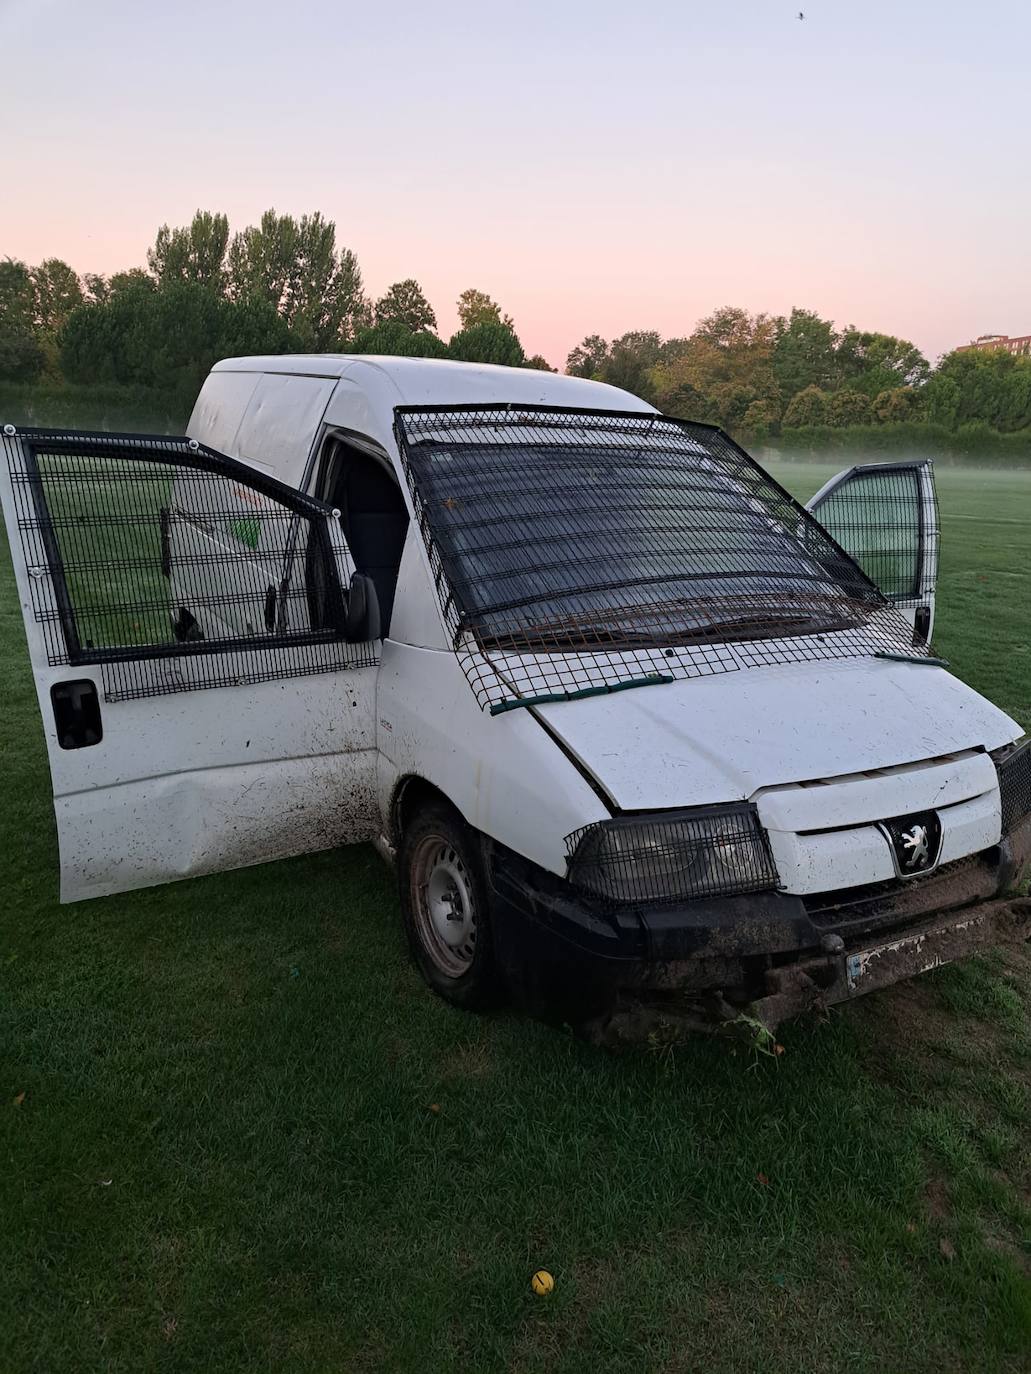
[(1014, 784), (876, 904)]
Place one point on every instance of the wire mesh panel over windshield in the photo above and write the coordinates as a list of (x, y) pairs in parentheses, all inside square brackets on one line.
[(173, 567), (578, 551)]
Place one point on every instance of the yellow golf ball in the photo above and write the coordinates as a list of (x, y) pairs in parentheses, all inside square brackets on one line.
[(542, 1283)]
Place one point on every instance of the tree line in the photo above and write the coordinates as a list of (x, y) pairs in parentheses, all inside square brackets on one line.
[(762, 375), (280, 286), (284, 285)]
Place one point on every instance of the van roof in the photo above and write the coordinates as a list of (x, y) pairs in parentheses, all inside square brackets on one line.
[(436, 381)]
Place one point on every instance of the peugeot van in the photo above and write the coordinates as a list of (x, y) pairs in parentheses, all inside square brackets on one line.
[(632, 722)]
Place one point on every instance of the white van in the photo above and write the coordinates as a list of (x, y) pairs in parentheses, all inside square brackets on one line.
[(630, 719)]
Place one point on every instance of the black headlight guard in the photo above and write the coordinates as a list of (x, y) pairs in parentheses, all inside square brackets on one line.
[(709, 851)]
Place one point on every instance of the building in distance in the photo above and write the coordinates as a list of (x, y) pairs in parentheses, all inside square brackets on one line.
[(1020, 345)]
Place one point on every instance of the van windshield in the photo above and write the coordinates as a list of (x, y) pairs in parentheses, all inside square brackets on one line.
[(572, 540)]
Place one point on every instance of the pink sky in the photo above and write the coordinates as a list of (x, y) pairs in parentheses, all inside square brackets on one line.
[(595, 167)]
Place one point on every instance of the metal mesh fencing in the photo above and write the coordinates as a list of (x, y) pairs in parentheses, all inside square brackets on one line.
[(1014, 785), (890, 521), (173, 567), (583, 551)]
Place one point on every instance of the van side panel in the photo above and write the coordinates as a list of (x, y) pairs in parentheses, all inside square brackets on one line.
[(220, 407), (504, 773), (281, 422)]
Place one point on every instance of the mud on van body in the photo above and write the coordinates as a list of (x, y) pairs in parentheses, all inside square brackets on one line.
[(628, 717)]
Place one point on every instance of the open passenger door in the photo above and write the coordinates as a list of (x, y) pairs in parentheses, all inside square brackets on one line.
[(186, 622), (885, 516)]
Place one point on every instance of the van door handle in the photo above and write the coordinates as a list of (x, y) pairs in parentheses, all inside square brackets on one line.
[(270, 608), (76, 713)]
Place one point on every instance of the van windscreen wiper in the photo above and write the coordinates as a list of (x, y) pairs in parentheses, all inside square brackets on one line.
[(593, 638)]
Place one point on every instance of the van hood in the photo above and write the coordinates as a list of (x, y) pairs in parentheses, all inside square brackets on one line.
[(724, 738)]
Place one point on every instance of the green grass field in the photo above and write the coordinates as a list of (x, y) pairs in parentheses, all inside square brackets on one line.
[(238, 1134)]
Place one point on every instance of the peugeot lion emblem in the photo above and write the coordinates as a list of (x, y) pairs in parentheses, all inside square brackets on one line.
[(915, 841)]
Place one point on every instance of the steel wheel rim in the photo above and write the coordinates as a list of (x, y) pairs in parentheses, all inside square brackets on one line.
[(444, 905)]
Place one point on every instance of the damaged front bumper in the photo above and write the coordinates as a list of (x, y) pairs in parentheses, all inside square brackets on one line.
[(766, 957), (815, 984)]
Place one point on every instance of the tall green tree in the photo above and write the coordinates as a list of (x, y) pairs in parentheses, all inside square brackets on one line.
[(630, 361), (848, 407), (391, 338), (404, 303), (721, 371), (57, 291), (476, 307), (760, 420), (736, 331), (804, 353), (588, 359), (166, 338), (100, 288), (488, 341), (194, 253), (985, 386), (22, 356), (262, 260), (295, 266), (896, 404), (808, 407), (941, 399), (327, 304), (872, 363)]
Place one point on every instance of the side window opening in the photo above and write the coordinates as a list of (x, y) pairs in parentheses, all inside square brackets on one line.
[(876, 516), (171, 567), (373, 516)]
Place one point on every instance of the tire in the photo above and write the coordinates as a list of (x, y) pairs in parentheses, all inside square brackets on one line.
[(445, 908)]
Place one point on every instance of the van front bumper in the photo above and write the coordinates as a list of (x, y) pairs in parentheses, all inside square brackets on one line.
[(559, 949)]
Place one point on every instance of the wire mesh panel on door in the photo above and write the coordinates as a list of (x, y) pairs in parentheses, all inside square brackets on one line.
[(585, 550), (888, 515), (172, 567)]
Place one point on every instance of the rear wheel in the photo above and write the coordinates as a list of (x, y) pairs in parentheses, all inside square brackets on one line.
[(445, 907)]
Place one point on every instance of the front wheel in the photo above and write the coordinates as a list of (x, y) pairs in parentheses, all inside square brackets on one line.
[(445, 908)]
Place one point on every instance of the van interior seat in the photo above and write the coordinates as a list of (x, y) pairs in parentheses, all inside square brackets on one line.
[(374, 520)]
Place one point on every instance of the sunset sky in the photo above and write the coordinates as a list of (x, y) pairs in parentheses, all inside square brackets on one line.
[(596, 167)]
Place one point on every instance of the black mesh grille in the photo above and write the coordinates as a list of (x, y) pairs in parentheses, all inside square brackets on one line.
[(871, 904), (575, 551), (1015, 785), (888, 520), (174, 567), (715, 851)]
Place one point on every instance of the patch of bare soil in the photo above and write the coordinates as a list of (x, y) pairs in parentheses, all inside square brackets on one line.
[(1008, 1247), (911, 1021), (908, 1019), (469, 1061), (936, 1199), (1015, 965)]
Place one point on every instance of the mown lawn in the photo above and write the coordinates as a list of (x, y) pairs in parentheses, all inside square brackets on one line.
[(238, 1134)]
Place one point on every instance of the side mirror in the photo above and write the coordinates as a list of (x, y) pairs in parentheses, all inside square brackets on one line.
[(363, 619)]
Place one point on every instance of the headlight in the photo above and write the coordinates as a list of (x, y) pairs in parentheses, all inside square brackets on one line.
[(1014, 768), (709, 851)]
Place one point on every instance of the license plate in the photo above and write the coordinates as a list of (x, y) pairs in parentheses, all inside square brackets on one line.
[(911, 954)]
